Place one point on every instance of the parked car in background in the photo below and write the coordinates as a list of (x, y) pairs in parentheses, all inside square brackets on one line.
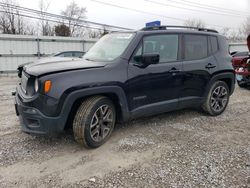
[(241, 63), (69, 54), (242, 70), (237, 47), (238, 57), (78, 54)]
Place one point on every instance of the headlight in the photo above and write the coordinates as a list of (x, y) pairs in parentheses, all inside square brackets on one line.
[(36, 85)]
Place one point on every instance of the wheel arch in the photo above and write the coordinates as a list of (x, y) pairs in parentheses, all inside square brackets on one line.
[(227, 77), (114, 93)]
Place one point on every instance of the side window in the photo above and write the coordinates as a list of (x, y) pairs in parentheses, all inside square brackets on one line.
[(214, 44), (77, 54), (60, 55), (64, 54), (139, 51), (164, 45), (196, 47), (68, 54), (137, 55)]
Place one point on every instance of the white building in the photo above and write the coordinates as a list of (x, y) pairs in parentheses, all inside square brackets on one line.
[(19, 49)]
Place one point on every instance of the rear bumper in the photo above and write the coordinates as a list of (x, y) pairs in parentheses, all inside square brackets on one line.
[(34, 122)]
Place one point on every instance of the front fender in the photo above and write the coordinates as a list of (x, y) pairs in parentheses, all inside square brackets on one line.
[(66, 103)]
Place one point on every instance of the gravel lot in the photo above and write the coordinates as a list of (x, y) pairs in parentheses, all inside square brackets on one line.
[(178, 149)]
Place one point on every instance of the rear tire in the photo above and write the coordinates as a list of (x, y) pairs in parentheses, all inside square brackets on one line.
[(94, 121), (217, 99)]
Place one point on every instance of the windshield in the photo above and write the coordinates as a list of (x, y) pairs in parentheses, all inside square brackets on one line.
[(109, 47)]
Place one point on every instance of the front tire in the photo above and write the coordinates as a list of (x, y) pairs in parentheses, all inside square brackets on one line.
[(94, 121), (217, 99)]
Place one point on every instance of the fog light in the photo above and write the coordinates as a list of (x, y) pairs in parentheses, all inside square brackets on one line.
[(30, 111)]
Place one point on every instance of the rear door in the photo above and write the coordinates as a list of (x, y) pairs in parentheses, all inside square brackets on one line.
[(198, 66)]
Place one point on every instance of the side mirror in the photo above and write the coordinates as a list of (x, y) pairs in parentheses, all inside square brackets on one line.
[(146, 60)]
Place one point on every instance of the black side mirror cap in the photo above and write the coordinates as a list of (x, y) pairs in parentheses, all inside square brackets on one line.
[(146, 60)]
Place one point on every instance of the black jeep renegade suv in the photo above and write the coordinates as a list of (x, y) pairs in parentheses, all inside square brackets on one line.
[(126, 75)]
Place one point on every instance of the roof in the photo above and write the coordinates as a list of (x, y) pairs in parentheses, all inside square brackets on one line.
[(178, 29)]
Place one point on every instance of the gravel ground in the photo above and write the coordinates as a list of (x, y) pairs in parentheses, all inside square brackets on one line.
[(178, 149)]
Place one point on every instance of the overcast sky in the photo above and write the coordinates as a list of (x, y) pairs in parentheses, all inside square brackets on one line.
[(165, 9)]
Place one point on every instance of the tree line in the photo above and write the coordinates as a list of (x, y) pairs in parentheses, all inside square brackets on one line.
[(12, 21), (233, 35)]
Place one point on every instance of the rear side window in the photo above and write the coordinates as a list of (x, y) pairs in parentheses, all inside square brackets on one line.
[(77, 54), (214, 44), (196, 47)]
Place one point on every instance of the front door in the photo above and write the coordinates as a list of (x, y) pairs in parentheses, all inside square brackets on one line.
[(156, 87)]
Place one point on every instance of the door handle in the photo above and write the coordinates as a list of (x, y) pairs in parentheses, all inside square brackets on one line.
[(174, 70), (210, 66)]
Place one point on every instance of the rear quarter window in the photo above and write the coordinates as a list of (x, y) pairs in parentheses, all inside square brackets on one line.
[(195, 47)]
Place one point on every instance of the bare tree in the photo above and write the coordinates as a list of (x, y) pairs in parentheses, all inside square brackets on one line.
[(93, 33), (225, 31), (240, 34), (74, 13), (233, 35), (10, 20), (246, 27), (104, 32), (30, 29), (195, 23), (47, 29)]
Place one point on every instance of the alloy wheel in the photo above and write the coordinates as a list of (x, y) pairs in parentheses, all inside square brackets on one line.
[(101, 123), (219, 98)]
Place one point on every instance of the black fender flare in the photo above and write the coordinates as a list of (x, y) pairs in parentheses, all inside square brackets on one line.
[(221, 76), (81, 93)]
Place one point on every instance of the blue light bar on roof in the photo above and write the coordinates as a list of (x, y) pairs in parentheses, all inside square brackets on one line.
[(154, 23)]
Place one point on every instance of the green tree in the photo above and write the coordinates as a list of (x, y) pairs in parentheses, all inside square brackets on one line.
[(62, 30)]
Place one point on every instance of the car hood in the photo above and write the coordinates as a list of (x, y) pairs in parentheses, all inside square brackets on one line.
[(59, 64)]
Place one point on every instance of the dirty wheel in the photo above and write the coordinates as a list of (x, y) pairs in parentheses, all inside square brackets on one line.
[(94, 121), (217, 99)]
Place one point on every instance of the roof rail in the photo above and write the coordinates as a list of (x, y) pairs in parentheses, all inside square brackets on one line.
[(165, 27)]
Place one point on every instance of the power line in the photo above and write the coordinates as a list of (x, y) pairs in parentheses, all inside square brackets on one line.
[(136, 10), (19, 8), (191, 9), (150, 13), (37, 12), (51, 16), (54, 21), (220, 10), (215, 7)]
